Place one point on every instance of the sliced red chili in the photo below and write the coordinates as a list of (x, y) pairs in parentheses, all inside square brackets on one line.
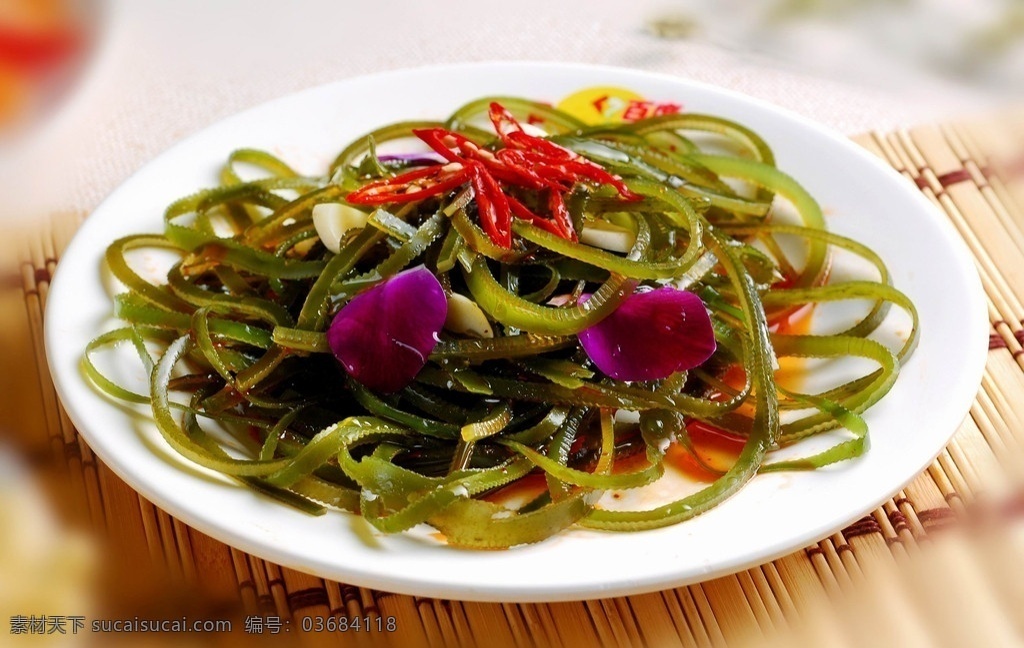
[(410, 186), (585, 168), (504, 122), (458, 148), (526, 161), (523, 212), (441, 140), (545, 147), (492, 205), (513, 136), (522, 171), (543, 151), (560, 215)]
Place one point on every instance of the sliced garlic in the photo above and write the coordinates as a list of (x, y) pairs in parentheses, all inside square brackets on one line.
[(332, 220), (465, 317), (302, 248), (606, 236)]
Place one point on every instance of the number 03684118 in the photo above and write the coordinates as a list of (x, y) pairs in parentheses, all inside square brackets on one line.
[(349, 624)]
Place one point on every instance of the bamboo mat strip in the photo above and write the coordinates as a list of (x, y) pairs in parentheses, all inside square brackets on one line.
[(702, 633), (950, 166)]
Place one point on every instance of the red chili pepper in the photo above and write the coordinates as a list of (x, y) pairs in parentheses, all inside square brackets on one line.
[(436, 138), (521, 170), (513, 136), (541, 150), (458, 148), (522, 212), (425, 182), (587, 169), (492, 205), (526, 161), (543, 146), (504, 122), (560, 214), (571, 170)]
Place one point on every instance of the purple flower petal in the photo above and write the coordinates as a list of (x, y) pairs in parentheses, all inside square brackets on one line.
[(413, 159), (384, 335), (651, 335)]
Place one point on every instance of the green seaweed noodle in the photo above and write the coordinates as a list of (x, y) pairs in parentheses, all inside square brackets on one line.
[(240, 324)]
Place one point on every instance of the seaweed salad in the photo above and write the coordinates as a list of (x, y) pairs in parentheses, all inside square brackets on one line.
[(506, 301)]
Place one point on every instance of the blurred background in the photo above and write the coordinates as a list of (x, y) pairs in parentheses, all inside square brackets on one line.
[(91, 90)]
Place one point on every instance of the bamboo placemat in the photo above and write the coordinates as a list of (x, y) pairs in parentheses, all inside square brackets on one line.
[(958, 166)]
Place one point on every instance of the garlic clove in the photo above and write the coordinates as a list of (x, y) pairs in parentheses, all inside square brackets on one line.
[(465, 317), (606, 236), (332, 220)]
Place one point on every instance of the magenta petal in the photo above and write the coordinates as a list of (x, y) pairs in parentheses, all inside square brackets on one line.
[(651, 335), (413, 159), (384, 335)]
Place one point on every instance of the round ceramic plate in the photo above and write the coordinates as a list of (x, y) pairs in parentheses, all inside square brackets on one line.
[(773, 515)]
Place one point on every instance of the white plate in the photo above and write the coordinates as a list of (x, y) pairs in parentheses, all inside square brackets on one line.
[(774, 515)]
